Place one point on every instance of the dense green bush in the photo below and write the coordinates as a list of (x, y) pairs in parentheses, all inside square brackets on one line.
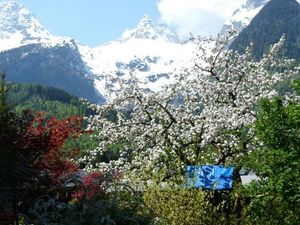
[(176, 205), (276, 198)]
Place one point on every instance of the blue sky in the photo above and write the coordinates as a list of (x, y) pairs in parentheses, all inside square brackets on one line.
[(94, 22), (91, 21)]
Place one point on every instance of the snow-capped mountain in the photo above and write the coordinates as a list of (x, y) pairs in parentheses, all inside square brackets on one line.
[(150, 51), (19, 27), (30, 53), (147, 29), (243, 16)]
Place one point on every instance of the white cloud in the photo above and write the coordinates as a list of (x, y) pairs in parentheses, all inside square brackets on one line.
[(204, 17)]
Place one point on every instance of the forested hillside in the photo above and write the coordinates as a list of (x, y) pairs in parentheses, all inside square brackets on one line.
[(274, 20), (40, 98)]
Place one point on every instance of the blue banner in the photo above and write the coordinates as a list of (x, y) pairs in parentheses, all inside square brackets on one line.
[(210, 177)]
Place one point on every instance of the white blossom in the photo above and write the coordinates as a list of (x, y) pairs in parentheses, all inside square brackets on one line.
[(194, 120)]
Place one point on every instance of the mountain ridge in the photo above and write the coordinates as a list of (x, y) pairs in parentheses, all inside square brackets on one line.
[(242, 16), (266, 28), (150, 51), (147, 29)]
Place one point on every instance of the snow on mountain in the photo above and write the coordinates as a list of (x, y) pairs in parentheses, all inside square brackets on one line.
[(150, 51), (147, 29), (30, 53), (19, 27), (243, 16)]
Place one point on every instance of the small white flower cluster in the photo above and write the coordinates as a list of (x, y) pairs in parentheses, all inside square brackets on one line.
[(201, 118)]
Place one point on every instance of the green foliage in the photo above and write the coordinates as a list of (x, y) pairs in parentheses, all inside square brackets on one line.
[(82, 144), (276, 199), (51, 101), (3, 95), (177, 205), (296, 86), (174, 205)]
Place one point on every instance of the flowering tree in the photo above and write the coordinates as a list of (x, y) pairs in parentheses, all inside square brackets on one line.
[(203, 117)]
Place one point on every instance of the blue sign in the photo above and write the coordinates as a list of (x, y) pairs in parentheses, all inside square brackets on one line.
[(210, 177)]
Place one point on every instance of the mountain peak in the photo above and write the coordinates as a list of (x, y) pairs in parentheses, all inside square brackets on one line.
[(146, 21), (243, 16), (18, 26), (16, 18), (148, 29)]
